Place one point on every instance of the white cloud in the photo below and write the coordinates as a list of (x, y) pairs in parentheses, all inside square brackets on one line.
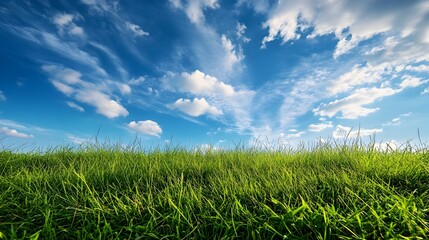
[(148, 127), (351, 107), (235, 104), (137, 81), (123, 88), (2, 97), (391, 145), (12, 124), (196, 107), (347, 132), (292, 135), (298, 99), (393, 122), (136, 29), (64, 88), (240, 29), (409, 81), (65, 49), (70, 83), (425, 91), (63, 19), (102, 5), (14, 133), (419, 68), (199, 84), (374, 50), (78, 140), (259, 6), (232, 55), (103, 104), (75, 106), (65, 23), (78, 31), (359, 75), (194, 9), (117, 62), (350, 21), (319, 127)]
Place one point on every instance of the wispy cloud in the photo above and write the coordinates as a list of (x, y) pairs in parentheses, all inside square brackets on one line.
[(393, 122), (65, 49), (259, 6), (148, 127), (194, 9), (319, 127), (350, 23), (65, 23), (63, 19), (102, 5), (397, 120), (359, 75), (78, 140), (69, 82), (411, 82), (352, 107), (75, 106), (240, 31), (418, 68), (2, 96), (292, 135), (233, 56), (136, 29), (14, 133), (344, 132)]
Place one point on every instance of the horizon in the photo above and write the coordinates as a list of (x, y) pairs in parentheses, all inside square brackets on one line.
[(212, 72)]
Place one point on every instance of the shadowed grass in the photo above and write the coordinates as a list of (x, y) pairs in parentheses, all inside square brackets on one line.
[(328, 192)]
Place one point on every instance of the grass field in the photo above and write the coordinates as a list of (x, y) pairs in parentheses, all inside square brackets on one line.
[(323, 192)]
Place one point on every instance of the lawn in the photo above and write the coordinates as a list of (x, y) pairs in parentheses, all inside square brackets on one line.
[(322, 192)]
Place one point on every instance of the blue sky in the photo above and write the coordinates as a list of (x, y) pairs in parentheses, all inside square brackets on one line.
[(198, 72)]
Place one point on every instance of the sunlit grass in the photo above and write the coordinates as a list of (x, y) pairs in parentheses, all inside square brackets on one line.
[(328, 191)]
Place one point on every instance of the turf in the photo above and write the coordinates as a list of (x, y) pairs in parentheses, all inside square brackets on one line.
[(325, 192)]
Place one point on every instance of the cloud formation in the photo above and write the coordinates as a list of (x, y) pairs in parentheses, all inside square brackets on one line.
[(349, 21), (2, 97), (196, 107), (148, 127), (352, 107), (319, 127), (194, 9), (233, 56), (14, 133), (78, 140), (199, 84), (136, 29), (343, 132), (65, 24), (240, 30), (102, 5), (75, 106), (69, 82)]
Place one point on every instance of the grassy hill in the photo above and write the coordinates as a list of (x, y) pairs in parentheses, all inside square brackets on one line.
[(346, 192)]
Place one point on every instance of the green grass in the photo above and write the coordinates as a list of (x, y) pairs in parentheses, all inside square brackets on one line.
[(343, 192)]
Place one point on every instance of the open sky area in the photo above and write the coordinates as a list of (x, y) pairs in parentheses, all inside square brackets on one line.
[(219, 72)]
